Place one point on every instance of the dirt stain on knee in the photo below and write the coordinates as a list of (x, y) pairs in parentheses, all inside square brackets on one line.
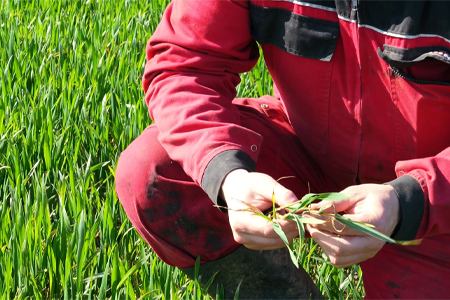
[(148, 213), (164, 197), (152, 184), (394, 285), (213, 242), (188, 226)]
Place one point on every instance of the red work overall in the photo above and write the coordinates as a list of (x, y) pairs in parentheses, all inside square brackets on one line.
[(362, 96)]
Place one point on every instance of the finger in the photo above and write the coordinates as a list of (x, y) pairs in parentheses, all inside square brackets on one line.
[(250, 224), (342, 246), (347, 261), (248, 205), (354, 196), (257, 242), (338, 206), (337, 228), (261, 184), (282, 195), (241, 187)]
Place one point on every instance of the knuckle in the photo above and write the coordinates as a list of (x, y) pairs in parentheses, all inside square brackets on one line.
[(267, 231), (238, 238), (333, 260), (374, 247), (334, 249), (286, 196), (371, 254)]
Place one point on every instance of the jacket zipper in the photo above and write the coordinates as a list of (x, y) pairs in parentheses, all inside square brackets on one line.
[(354, 12), (415, 80), (354, 17)]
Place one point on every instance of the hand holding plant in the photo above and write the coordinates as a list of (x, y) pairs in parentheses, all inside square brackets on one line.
[(247, 193), (367, 203), (372, 214)]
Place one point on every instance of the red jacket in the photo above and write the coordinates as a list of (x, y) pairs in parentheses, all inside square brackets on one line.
[(366, 86)]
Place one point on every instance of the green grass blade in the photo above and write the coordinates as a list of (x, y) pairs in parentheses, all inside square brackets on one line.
[(364, 228), (236, 293), (301, 231), (332, 196), (133, 270), (276, 226), (80, 256), (103, 287)]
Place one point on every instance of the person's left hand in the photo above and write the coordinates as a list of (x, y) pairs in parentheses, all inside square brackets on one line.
[(375, 204)]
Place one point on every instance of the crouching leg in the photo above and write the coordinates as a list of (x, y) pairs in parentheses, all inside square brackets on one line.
[(179, 221)]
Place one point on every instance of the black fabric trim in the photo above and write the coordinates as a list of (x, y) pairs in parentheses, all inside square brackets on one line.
[(406, 17), (219, 167), (401, 58), (397, 17), (325, 3), (412, 207), (344, 8), (295, 34)]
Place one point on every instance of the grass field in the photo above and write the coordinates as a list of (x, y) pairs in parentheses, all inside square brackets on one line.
[(71, 101)]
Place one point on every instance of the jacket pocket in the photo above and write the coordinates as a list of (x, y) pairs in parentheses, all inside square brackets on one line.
[(296, 34), (300, 60), (420, 89)]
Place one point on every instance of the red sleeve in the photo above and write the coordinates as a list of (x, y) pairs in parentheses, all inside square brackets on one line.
[(194, 60), (429, 209)]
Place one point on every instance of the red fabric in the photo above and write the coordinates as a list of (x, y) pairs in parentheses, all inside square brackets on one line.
[(354, 117), (194, 61), (175, 216)]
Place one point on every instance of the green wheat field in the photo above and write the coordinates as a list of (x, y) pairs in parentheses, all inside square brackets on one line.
[(71, 101)]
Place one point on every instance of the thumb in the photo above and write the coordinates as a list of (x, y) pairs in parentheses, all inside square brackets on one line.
[(340, 205), (270, 189), (282, 195)]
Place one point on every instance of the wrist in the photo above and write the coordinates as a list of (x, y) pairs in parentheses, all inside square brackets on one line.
[(219, 167), (411, 206), (396, 212), (231, 181)]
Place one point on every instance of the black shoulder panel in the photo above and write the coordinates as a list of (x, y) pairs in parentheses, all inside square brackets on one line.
[(407, 17), (298, 35)]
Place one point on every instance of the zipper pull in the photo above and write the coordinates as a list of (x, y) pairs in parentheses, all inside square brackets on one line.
[(354, 12)]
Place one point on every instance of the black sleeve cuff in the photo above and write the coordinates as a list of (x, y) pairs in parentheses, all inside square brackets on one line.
[(219, 167), (412, 206)]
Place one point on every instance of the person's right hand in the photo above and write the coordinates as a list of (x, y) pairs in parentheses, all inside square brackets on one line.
[(256, 189)]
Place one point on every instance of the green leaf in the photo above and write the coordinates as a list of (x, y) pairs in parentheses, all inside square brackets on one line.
[(332, 196), (81, 241), (304, 202), (104, 285), (304, 219), (236, 294), (309, 198), (47, 156), (208, 283), (323, 208), (369, 229), (277, 227), (261, 215), (364, 228), (301, 230), (133, 269)]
